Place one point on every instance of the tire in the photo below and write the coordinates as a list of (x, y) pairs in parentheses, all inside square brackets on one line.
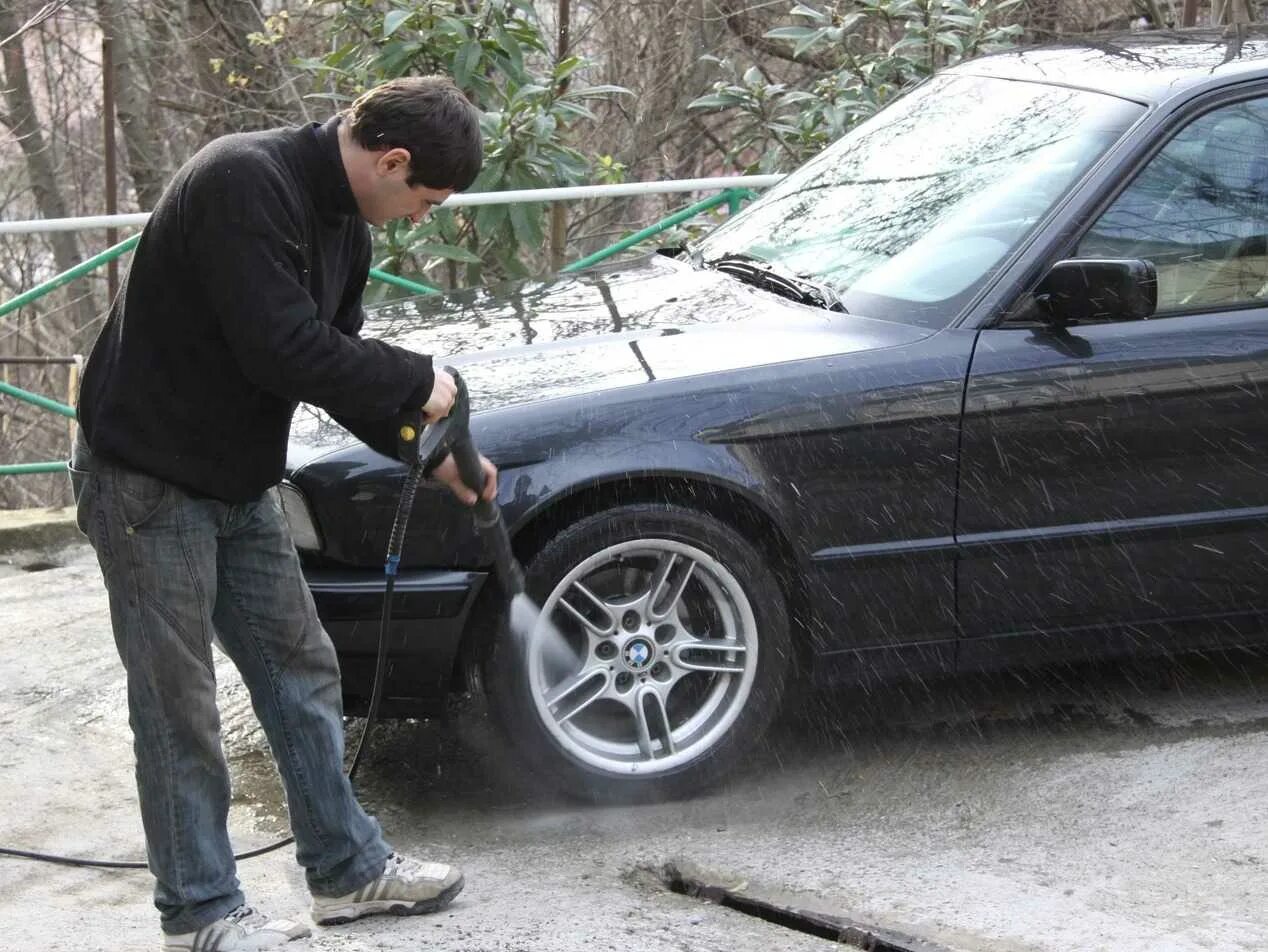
[(687, 626)]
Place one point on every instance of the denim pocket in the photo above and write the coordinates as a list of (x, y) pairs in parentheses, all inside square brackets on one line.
[(83, 487), (140, 496)]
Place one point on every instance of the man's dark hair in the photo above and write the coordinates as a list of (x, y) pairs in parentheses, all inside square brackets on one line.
[(430, 118)]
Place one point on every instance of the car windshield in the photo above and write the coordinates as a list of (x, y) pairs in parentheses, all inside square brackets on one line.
[(909, 213)]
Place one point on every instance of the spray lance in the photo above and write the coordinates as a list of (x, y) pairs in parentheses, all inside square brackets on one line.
[(453, 435), (421, 446)]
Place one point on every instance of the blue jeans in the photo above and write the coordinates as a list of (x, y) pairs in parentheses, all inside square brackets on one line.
[(181, 570)]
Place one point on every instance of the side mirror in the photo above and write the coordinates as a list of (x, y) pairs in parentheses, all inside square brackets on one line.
[(1079, 290)]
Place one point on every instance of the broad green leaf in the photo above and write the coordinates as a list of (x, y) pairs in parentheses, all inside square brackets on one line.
[(848, 23), (527, 92), (526, 223), (566, 67), (393, 21), (489, 218), (574, 109), (791, 33), (450, 252), (338, 56), (808, 42), (590, 92), (512, 50), (316, 65), (801, 10), (457, 26), (394, 56), (465, 62), (716, 101), (907, 43)]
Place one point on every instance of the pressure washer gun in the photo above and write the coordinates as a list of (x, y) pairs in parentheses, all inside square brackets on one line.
[(423, 446)]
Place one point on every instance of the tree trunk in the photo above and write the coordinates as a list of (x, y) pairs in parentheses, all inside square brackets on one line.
[(134, 106), (23, 121), (1229, 12)]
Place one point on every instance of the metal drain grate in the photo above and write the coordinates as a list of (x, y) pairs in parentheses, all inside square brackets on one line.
[(823, 925)]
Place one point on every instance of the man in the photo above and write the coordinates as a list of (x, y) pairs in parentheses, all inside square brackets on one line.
[(244, 298)]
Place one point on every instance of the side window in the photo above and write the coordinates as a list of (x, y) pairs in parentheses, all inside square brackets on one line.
[(1199, 212)]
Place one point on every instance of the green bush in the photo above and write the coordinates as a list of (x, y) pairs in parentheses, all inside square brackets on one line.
[(498, 52)]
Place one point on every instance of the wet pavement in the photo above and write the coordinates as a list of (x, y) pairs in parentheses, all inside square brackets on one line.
[(1118, 807)]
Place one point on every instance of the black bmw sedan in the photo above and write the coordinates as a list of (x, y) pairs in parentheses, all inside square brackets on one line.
[(984, 383)]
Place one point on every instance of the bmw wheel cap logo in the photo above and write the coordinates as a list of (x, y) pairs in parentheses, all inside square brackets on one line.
[(638, 654)]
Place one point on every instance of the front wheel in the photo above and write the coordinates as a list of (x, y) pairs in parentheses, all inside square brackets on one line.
[(658, 660)]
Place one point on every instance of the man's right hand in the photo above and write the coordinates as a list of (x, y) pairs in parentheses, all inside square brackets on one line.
[(443, 392)]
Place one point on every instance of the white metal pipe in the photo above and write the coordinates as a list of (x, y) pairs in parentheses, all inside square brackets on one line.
[(509, 197), (86, 223), (515, 196)]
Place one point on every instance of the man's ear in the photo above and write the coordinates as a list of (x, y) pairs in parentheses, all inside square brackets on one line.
[(392, 162)]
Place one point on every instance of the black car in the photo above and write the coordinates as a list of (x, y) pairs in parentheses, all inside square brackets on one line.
[(984, 383)]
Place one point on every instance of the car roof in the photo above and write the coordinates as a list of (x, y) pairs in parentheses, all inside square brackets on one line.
[(1150, 67)]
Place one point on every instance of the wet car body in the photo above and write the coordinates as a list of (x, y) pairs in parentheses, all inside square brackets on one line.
[(952, 493)]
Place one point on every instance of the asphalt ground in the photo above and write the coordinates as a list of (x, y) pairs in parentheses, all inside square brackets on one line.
[(1118, 807)]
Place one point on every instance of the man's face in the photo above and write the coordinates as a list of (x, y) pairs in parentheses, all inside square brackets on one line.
[(392, 195), (412, 202)]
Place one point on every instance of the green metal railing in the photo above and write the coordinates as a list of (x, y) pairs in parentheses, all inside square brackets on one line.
[(732, 198)]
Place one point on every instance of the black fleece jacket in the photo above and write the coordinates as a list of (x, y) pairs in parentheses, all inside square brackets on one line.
[(244, 298)]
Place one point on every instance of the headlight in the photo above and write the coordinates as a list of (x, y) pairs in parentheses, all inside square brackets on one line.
[(299, 516)]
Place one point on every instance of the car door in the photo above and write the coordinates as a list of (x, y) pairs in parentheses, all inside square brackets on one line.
[(1117, 471)]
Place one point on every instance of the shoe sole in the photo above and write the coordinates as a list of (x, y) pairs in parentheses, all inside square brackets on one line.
[(389, 907)]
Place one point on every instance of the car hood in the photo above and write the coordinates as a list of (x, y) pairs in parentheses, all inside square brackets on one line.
[(654, 319)]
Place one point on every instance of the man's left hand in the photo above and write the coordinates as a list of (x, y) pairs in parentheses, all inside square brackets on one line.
[(447, 473)]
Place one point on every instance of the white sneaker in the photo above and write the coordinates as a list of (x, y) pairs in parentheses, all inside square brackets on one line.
[(406, 888), (243, 929)]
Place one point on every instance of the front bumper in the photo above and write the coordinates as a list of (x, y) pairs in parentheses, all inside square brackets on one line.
[(430, 613)]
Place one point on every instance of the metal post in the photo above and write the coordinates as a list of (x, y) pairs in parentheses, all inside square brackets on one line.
[(72, 396), (558, 213), (108, 130)]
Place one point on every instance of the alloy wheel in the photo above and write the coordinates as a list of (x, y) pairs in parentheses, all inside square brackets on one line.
[(645, 658)]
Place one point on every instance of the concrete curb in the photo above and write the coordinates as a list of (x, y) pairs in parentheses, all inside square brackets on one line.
[(26, 529)]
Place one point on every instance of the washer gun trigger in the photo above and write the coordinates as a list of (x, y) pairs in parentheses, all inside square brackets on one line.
[(423, 444)]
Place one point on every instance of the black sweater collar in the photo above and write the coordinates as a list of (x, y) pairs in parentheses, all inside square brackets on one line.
[(323, 166)]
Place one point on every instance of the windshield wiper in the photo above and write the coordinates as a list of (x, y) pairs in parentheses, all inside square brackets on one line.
[(762, 274)]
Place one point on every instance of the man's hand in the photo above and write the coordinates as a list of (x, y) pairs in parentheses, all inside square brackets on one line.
[(447, 473), (443, 392)]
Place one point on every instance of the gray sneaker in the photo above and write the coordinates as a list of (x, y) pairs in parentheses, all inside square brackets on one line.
[(243, 930), (405, 888)]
